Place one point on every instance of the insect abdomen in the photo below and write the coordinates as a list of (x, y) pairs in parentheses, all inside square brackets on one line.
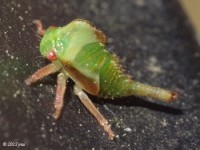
[(113, 82)]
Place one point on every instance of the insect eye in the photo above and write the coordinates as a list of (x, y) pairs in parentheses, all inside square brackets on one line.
[(51, 55)]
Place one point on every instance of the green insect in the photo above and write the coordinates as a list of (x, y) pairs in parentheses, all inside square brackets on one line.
[(77, 51)]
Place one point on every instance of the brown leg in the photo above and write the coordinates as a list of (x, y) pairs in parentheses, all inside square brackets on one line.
[(39, 26), (60, 91), (46, 70), (94, 111)]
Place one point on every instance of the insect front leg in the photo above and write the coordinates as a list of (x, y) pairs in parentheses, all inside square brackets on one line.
[(94, 111), (60, 91), (39, 26), (46, 70)]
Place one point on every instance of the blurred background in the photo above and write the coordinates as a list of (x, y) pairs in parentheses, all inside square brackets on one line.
[(192, 12), (157, 42)]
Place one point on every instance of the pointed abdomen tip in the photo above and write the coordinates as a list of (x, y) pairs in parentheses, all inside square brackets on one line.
[(174, 96)]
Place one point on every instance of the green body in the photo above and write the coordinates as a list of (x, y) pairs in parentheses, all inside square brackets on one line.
[(80, 48)]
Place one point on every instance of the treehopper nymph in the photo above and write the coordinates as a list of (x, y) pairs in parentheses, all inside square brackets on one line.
[(77, 51)]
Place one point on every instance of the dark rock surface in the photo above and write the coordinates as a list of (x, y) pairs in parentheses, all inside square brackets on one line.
[(156, 46)]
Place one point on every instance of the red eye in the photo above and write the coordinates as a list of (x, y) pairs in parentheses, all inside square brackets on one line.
[(52, 55)]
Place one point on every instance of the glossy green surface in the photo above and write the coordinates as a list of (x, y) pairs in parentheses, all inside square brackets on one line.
[(67, 41)]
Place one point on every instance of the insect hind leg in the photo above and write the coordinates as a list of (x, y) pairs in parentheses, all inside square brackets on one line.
[(94, 111)]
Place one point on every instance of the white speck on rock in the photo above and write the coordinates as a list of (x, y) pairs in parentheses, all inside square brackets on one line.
[(153, 65), (128, 129), (164, 123), (21, 18)]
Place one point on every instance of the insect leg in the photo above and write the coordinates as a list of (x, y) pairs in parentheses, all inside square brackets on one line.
[(39, 26), (46, 70), (60, 91), (94, 111)]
